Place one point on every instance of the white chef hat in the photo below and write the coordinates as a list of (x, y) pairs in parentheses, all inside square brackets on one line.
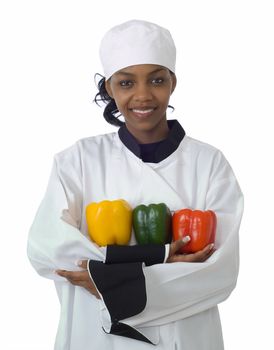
[(136, 42)]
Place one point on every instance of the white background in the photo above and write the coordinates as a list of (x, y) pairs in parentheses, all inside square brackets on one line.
[(49, 54)]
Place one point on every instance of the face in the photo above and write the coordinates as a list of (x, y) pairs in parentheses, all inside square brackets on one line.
[(142, 93)]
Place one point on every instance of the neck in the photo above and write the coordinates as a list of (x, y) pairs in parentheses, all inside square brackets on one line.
[(156, 134)]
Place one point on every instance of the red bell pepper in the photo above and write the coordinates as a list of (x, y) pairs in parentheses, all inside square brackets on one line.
[(199, 225)]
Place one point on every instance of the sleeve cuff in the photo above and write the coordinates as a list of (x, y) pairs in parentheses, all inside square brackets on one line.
[(122, 287), (104, 252), (123, 294), (167, 249), (149, 254)]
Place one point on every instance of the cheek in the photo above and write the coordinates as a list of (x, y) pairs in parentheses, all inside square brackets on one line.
[(121, 101), (164, 98)]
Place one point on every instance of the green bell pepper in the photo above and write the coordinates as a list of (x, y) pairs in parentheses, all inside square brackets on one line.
[(152, 224)]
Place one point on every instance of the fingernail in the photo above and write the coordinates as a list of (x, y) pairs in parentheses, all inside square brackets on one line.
[(211, 245), (186, 239), (78, 263)]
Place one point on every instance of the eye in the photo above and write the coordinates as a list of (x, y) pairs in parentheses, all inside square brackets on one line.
[(157, 81), (126, 83)]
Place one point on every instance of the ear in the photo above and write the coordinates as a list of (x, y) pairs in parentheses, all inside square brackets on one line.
[(108, 88), (174, 82)]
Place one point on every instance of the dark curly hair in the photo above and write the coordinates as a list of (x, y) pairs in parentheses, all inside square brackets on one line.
[(111, 112)]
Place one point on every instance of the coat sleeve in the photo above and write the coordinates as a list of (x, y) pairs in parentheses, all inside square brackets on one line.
[(55, 240), (179, 290)]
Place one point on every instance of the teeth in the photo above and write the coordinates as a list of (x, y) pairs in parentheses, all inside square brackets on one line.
[(142, 111)]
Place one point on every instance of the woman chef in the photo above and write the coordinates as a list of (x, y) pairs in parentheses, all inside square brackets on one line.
[(135, 297)]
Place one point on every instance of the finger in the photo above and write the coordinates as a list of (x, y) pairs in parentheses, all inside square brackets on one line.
[(177, 258), (199, 256), (72, 275), (177, 245), (79, 278), (61, 273), (209, 254), (209, 249), (68, 275), (203, 254), (82, 263)]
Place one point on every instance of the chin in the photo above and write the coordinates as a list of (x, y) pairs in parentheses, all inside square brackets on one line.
[(143, 125)]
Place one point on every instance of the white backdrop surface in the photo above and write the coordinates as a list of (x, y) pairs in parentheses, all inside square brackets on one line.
[(224, 96)]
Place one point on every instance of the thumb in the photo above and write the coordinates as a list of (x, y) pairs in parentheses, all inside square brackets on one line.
[(177, 245), (82, 263)]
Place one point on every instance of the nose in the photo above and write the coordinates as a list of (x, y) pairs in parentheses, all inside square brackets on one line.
[(142, 93)]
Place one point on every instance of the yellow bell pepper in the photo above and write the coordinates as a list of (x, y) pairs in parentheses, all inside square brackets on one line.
[(109, 222)]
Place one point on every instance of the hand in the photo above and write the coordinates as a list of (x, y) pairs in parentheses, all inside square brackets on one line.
[(80, 278), (200, 256)]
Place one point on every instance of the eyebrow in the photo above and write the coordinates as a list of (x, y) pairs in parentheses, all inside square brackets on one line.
[(122, 72)]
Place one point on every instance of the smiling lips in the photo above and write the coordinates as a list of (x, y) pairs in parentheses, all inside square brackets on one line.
[(142, 112)]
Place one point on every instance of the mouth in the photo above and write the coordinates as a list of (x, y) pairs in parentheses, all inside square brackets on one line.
[(142, 112)]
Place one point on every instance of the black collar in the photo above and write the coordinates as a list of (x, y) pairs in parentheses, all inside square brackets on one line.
[(154, 152)]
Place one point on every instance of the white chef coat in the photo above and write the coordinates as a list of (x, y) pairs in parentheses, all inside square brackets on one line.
[(181, 310)]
